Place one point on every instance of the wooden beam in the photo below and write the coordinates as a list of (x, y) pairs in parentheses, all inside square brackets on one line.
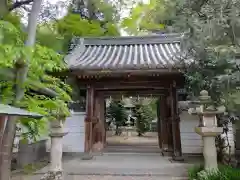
[(122, 85), (122, 81), (133, 92), (121, 72)]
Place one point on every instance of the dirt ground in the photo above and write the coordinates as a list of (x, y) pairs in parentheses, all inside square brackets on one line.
[(148, 138)]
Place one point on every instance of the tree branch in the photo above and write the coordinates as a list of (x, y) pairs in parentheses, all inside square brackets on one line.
[(18, 4), (197, 5)]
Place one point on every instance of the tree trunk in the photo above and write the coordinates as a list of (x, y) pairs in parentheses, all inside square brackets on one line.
[(3, 8), (21, 76), (91, 8), (117, 130)]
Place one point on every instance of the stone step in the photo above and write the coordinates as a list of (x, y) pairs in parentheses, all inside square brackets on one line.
[(144, 149), (104, 177)]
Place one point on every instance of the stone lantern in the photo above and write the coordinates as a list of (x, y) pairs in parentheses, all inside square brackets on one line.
[(55, 169), (208, 128)]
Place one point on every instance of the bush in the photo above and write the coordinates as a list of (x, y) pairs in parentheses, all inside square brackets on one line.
[(144, 116), (116, 112), (224, 173), (192, 172)]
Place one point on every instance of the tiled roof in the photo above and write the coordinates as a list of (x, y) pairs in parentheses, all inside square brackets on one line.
[(150, 52)]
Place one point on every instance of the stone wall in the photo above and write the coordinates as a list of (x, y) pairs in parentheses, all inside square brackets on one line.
[(73, 142), (191, 141), (30, 153)]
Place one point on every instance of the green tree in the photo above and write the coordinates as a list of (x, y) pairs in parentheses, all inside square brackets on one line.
[(144, 17), (76, 24), (212, 41), (73, 25), (21, 69), (117, 113), (50, 38), (144, 117), (12, 54)]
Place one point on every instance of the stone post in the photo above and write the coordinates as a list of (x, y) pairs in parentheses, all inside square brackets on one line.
[(208, 129), (55, 169)]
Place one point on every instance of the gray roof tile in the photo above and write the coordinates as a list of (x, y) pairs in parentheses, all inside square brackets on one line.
[(150, 52)]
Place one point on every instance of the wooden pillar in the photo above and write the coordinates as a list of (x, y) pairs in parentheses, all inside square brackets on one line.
[(102, 117), (159, 124), (2, 127), (105, 124), (89, 118), (166, 131), (168, 125), (177, 149), (98, 126)]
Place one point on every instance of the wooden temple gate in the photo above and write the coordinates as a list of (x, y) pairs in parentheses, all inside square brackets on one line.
[(168, 129), (124, 65)]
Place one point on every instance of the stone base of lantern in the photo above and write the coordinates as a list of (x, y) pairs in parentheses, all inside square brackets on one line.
[(57, 175), (209, 148), (55, 170), (209, 131)]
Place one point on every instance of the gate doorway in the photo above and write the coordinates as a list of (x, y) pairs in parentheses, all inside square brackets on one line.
[(136, 130)]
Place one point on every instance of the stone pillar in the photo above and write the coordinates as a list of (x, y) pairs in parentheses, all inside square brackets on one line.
[(55, 169), (208, 129)]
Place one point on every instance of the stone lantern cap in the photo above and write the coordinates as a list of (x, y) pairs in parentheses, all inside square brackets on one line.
[(205, 107), (204, 97), (57, 129), (7, 110)]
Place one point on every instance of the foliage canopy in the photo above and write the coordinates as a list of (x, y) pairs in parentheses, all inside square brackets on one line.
[(42, 60)]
